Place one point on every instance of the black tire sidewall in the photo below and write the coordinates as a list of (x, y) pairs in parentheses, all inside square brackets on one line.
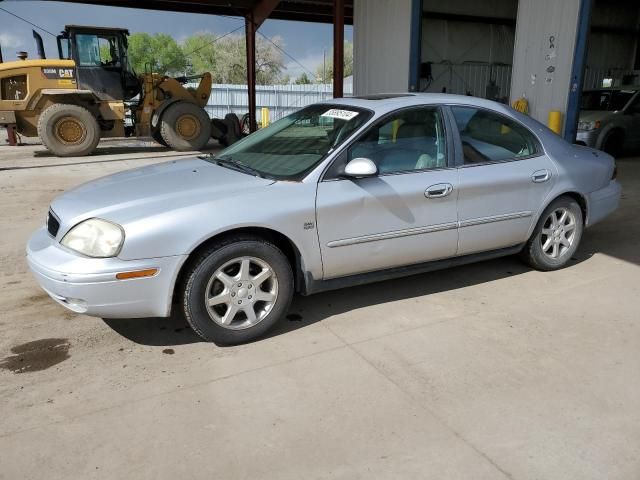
[(198, 278), (52, 114), (536, 256), (612, 143), (171, 136)]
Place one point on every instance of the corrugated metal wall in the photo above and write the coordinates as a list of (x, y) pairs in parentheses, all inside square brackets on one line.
[(381, 45), (280, 99)]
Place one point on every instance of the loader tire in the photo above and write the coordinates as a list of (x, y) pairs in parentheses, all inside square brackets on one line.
[(157, 136), (185, 126), (68, 130)]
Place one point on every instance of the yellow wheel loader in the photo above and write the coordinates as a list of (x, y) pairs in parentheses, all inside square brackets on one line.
[(84, 95)]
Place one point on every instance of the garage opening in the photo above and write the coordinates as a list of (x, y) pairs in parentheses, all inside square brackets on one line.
[(467, 47), (609, 117)]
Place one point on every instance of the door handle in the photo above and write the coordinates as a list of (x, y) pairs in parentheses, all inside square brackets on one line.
[(540, 176), (439, 190)]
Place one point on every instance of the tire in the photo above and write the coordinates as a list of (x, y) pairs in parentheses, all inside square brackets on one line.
[(218, 273), (540, 251), (185, 126), (613, 143), (68, 130), (157, 136)]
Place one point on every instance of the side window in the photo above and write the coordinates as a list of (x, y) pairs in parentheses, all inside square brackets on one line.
[(491, 137), (13, 88), (97, 51), (411, 139)]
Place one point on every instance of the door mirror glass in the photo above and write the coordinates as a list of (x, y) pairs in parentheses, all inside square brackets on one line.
[(360, 168)]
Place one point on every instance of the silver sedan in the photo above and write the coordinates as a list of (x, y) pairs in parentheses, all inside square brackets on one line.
[(340, 193)]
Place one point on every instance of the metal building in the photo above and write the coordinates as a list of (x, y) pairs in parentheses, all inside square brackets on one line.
[(543, 50)]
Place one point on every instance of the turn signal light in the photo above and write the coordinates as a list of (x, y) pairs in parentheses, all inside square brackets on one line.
[(150, 272)]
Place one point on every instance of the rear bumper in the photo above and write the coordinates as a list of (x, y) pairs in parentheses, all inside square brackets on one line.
[(89, 285), (603, 202)]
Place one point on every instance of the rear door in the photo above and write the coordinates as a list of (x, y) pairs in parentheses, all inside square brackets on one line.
[(404, 215), (504, 180)]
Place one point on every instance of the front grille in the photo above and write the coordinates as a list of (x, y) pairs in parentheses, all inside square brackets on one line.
[(53, 224)]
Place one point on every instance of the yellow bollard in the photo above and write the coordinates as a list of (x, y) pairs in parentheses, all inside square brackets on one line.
[(265, 117), (555, 121)]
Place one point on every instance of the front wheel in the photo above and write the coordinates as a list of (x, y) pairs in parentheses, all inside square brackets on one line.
[(236, 291), (185, 126), (556, 236)]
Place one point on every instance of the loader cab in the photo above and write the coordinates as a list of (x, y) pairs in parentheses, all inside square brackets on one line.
[(102, 61)]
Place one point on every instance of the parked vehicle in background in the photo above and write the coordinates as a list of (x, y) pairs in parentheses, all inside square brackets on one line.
[(339, 193), (610, 119)]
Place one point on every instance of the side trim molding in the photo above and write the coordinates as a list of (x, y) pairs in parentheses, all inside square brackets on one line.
[(494, 218), (430, 229), (394, 234)]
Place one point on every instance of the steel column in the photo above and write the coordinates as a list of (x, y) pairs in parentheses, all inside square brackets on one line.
[(338, 48), (577, 70), (415, 48), (250, 34)]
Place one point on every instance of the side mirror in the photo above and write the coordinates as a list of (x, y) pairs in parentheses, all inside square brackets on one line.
[(360, 168)]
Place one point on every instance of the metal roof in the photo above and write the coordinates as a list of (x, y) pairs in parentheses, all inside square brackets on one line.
[(300, 10)]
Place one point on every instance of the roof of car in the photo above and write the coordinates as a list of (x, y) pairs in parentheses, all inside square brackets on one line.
[(390, 101)]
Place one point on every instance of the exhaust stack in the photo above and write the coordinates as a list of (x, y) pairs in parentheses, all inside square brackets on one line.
[(39, 44)]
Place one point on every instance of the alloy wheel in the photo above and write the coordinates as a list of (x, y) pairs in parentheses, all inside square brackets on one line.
[(558, 233), (241, 293)]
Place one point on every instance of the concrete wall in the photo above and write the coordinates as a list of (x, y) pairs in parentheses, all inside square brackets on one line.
[(535, 54), (381, 30)]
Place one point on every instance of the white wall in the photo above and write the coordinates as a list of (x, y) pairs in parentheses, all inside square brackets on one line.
[(381, 44), (538, 20)]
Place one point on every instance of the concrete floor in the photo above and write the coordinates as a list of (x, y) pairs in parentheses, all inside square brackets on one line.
[(487, 371)]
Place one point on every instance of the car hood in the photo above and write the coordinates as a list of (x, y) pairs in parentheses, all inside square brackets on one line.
[(154, 189), (594, 115)]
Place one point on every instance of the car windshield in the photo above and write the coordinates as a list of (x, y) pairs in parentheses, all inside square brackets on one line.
[(606, 100), (290, 147)]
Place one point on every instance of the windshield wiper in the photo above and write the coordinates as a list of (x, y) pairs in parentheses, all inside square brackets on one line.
[(235, 165)]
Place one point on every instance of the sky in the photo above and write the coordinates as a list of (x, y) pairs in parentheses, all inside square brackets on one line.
[(305, 42)]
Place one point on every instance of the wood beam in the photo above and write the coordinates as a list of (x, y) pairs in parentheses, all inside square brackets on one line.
[(262, 11), (250, 35), (338, 48)]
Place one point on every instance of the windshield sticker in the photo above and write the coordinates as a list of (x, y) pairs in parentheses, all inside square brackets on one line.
[(340, 114)]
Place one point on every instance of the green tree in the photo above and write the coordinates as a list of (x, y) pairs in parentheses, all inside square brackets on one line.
[(160, 52), (225, 58), (324, 73), (303, 79)]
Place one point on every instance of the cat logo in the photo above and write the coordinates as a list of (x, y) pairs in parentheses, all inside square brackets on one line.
[(59, 73)]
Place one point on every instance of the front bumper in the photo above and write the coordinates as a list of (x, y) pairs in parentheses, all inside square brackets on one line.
[(89, 285), (588, 137), (603, 202)]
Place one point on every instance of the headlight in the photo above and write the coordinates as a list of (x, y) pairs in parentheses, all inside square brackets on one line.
[(587, 126), (95, 238)]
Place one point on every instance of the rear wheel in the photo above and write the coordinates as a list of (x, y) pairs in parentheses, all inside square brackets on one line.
[(185, 126), (68, 130), (556, 236), (236, 291)]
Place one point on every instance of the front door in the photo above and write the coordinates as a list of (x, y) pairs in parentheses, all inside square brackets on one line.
[(99, 63), (504, 179), (404, 215)]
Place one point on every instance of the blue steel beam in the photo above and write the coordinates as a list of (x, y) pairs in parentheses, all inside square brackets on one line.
[(577, 70), (415, 49)]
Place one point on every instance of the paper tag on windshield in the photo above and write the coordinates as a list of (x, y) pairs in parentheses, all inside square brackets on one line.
[(340, 114)]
